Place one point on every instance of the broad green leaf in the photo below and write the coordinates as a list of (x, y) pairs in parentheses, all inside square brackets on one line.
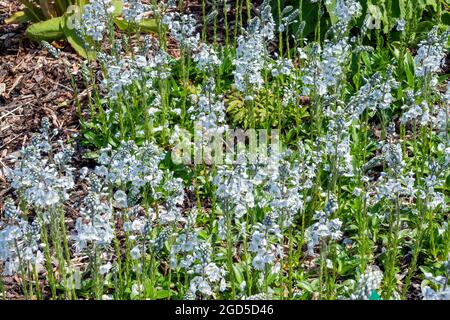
[(365, 58), (409, 69), (398, 9), (49, 30), (162, 294), (118, 4), (146, 25), (424, 26), (446, 18), (305, 285), (331, 9), (17, 17), (74, 39), (356, 80), (239, 276), (121, 24)]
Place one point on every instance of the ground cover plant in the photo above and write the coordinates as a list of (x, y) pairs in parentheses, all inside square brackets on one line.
[(242, 150)]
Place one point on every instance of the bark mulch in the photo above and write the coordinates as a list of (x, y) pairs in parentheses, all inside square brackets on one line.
[(33, 84)]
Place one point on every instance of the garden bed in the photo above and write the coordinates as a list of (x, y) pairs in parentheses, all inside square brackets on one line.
[(355, 207)]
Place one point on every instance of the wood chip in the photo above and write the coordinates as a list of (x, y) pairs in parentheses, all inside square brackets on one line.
[(16, 82)]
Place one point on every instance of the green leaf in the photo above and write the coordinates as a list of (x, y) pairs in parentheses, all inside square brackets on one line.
[(305, 285), (162, 294), (330, 9), (146, 25), (118, 4), (121, 24), (398, 9), (445, 18), (356, 80), (409, 69), (94, 139), (77, 43), (17, 17), (365, 58), (239, 276), (424, 26), (49, 30)]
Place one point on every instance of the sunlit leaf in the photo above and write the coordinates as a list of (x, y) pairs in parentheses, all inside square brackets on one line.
[(75, 40), (146, 25), (49, 30), (17, 17)]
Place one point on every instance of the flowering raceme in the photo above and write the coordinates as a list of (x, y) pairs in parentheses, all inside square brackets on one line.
[(44, 181), (96, 17), (251, 53), (133, 10), (431, 53)]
